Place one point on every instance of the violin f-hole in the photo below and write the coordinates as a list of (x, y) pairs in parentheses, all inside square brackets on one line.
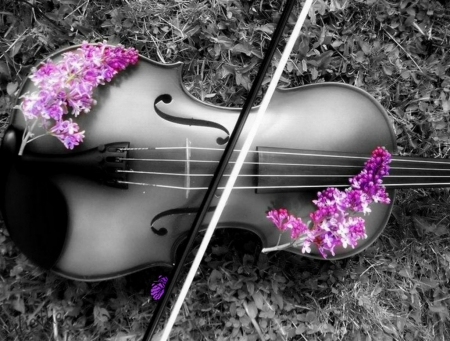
[(166, 98)]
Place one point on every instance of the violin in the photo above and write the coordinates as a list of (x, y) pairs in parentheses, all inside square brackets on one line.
[(124, 200)]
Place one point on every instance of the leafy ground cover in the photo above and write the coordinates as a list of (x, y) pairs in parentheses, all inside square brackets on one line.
[(398, 289)]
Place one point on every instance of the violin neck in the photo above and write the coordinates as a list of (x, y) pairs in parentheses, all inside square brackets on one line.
[(288, 170)]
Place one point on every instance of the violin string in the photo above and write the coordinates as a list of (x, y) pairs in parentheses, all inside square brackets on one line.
[(442, 184), (284, 164), (274, 175), (204, 188), (274, 163), (247, 163), (240, 175), (237, 150), (428, 160)]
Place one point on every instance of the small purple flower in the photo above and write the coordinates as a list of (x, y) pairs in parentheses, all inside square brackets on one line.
[(68, 133), (327, 242), (45, 71), (285, 221), (278, 217), (296, 225), (157, 289)]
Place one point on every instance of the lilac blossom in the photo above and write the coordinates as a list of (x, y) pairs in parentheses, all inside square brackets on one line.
[(333, 223), (67, 86), (278, 217), (68, 133)]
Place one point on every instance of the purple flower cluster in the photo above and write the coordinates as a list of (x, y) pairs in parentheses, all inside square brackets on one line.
[(68, 85), (369, 181), (333, 222)]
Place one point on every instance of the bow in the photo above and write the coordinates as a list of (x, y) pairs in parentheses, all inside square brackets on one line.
[(222, 165)]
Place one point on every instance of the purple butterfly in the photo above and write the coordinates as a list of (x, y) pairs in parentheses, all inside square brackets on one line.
[(158, 287)]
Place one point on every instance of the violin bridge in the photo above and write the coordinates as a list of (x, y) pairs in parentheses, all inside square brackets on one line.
[(187, 168)]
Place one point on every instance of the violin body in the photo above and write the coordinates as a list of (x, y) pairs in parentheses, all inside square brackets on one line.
[(99, 232)]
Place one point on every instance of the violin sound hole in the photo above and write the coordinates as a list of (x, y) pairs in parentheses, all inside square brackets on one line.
[(166, 99)]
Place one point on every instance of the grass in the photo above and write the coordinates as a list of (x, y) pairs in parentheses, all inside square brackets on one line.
[(398, 289)]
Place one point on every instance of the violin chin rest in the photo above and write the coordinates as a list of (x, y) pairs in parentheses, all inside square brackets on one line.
[(34, 210)]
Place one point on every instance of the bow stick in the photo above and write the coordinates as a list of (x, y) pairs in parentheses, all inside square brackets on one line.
[(235, 171)]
